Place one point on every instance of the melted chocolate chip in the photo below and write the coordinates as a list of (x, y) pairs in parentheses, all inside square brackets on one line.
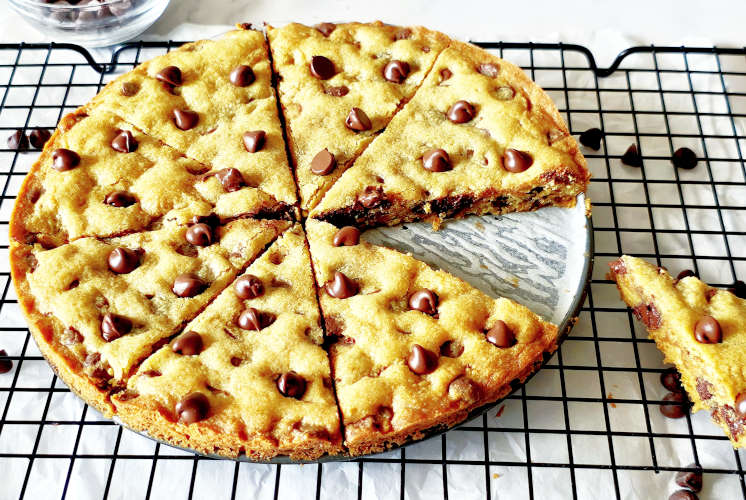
[(684, 158), (403, 34), (253, 319), (291, 385), (254, 141), (436, 160), (648, 314), (371, 197), (188, 285), (64, 159), (5, 364), (445, 74), (690, 479), (185, 119), (501, 335), (425, 301), (488, 69), (516, 161), (199, 235), (707, 331), (671, 380), (128, 89), (358, 121), (347, 236), (123, 260), (740, 404), (461, 112), (323, 163), (248, 287), (591, 138), (124, 142), (114, 326), (120, 199), (39, 137), (465, 389), (632, 157), (341, 287), (676, 405), (230, 178), (192, 408), (170, 75), (322, 68), (242, 76), (340, 91), (18, 141), (188, 344), (421, 361), (451, 349), (325, 29), (685, 274), (396, 71)]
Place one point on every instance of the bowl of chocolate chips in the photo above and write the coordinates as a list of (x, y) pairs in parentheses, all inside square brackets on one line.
[(93, 23)]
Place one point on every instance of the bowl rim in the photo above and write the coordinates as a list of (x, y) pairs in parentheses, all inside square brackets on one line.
[(70, 7)]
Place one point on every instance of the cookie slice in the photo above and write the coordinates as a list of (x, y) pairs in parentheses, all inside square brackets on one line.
[(478, 137), (213, 101), (96, 307), (248, 375), (339, 86), (700, 329), (413, 348)]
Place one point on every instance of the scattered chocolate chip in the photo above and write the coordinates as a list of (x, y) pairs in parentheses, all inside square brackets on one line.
[(740, 404), (671, 380), (357, 120), (325, 29), (504, 93), (676, 405), (648, 314), (64, 159), (38, 137), (421, 361), (340, 91), (323, 163), (322, 68), (403, 34), (738, 289), (210, 219), (71, 336), (188, 344), (341, 287), (445, 74), (291, 385), (371, 197), (123, 260), (92, 359), (124, 142), (120, 199), (170, 75), (242, 76), (683, 495), (707, 331), (396, 71), (516, 161), (690, 479), (236, 361), (591, 138), (425, 301), (254, 141), (451, 349), (114, 326), (152, 373), (684, 158), (128, 89), (248, 287), (436, 160), (347, 236), (501, 335), (465, 389), (5, 364), (253, 319), (685, 274), (185, 119), (18, 141), (632, 157), (488, 69), (554, 135), (188, 285), (461, 112), (199, 235), (193, 407), (230, 178)]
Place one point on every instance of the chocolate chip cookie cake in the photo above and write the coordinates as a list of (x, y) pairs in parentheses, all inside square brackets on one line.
[(700, 329), (161, 252)]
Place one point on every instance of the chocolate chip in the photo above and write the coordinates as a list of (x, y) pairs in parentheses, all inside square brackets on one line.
[(199, 235), (340, 91), (323, 163), (738, 289), (124, 142), (253, 319), (123, 260), (210, 219), (676, 405), (230, 178), (465, 389), (403, 34), (690, 479), (591, 138), (357, 120), (188, 285), (501, 335), (396, 71), (170, 75), (461, 112), (451, 349), (445, 74), (128, 89), (341, 287), (683, 495), (188, 344), (632, 157), (64, 159), (5, 364), (248, 287), (648, 314), (504, 93), (236, 361), (193, 407), (18, 141), (71, 336), (425, 301), (516, 161), (685, 274), (671, 380), (38, 137), (254, 141), (707, 331), (371, 197), (242, 76), (120, 199), (488, 69), (347, 236), (325, 29), (740, 404), (291, 385), (421, 361), (436, 160), (114, 326), (185, 119), (684, 158), (322, 68)]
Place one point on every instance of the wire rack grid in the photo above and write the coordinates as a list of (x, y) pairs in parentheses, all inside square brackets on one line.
[(587, 426)]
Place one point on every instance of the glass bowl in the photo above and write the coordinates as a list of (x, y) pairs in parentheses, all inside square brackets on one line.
[(93, 23)]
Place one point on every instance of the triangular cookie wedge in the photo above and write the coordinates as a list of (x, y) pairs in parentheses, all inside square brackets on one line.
[(248, 375), (213, 101), (339, 86), (700, 329), (478, 137), (413, 348), (97, 307)]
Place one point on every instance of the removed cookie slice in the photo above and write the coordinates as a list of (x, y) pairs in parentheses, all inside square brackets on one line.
[(339, 87), (413, 348), (699, 329), (213, 101), (248, 375), (478, 137), (98, 307)]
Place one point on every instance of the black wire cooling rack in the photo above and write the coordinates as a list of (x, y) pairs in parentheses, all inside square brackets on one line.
[(587, 426)]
